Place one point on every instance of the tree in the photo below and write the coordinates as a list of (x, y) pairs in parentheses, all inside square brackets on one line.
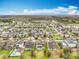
[(45, 45), (33, 54), (45, 49), (67, 53), (68, 56), (30, 34), (60, 44), (61, 55), (48, 54), (21, 57)]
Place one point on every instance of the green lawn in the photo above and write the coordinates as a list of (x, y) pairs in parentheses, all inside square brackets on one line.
[(26, 55), (4, 52), (39, 55), (56, 36)]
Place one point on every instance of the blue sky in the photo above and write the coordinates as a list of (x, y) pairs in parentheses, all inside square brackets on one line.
[(39, 7)]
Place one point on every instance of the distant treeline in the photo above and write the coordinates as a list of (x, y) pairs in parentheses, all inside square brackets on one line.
[(62, 19), (67, 19), (6, 20)]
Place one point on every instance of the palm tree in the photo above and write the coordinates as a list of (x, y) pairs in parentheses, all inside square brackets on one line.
[(33, 53), (66, 53), (60, 44), (68, 56), (45, 45), (48, 54), (61, 55), (78, 48), (21, 57), (45, 49), (39, 37), (45, 37), (29, 35)]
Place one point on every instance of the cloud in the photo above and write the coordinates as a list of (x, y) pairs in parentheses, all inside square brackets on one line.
[(73, 7), (40, 12), (73, 12), (25, 10), (70, 10)]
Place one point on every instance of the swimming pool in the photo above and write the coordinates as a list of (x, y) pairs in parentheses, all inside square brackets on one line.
[(15, 53)]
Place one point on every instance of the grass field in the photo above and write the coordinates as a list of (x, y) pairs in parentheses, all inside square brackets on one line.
[(56, 36), (39, 54)]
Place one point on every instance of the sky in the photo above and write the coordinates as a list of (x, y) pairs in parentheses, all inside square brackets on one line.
[(39, 7)]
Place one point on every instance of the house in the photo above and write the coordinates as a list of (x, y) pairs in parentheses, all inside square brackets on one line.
[(69, 43), (2, 43), (9, 44), (19, 49), (40, 44), (28, 44), (52, 45)]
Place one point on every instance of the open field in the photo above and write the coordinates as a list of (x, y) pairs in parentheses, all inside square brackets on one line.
[(39, 54)]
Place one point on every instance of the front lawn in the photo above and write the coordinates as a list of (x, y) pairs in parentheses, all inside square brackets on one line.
[(56, 36)]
